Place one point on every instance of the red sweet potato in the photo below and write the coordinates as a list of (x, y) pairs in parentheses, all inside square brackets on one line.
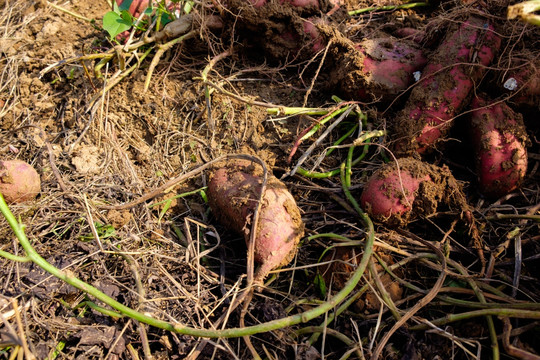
[(289, 28), (418, 36), (447, 81), (499, 139), (302, 3), (313, 34), (522, 83), (233, 191), (379, 68), (19, 181), (395, 196), (308, 38)]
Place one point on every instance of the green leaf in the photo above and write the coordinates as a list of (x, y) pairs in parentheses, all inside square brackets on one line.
[(115, 23), (320, 284)]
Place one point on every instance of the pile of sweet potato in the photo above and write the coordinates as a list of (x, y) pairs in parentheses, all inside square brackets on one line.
[(377, 69)]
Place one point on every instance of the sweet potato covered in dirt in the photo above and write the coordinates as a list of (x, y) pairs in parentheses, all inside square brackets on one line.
[(499, 138), (284, 29), (233, 191), (19, 181), (395, 195), (452, 72), (522, 82), (378, 68)]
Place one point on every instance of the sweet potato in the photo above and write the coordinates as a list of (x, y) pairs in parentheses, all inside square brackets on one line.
[(397, 196), (499, 138), (378, 68), (308, 39), (447, 81), (523, 83), (289, 28), (19, 181), (311, 32), (233, 191), (302, 3), (418, 36)]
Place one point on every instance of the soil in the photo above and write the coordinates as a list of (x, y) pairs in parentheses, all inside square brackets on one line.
[(123, 207)]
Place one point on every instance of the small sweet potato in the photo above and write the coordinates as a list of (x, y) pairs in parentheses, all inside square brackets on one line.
[(233, 191), (395, 196), (19, 181), (499, 138), (447, 81)]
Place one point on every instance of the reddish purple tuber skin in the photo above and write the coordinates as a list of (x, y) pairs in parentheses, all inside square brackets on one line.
[(310, 39), (302, 3), (395, 195), (500, 141), (446, 84), (384, 198), (418, 36), (527, 82), (379, 68), (391, 64), (233, 192), (19, 181), (310, 29)]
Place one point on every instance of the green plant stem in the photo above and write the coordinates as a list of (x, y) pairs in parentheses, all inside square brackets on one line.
[(288, 111), (162, 48), (329, 235), (513, 217), (330, 116), (388, 7), (14, 257), (324, 175), (447, 299), (339, 311), (101, 309), (306, 316), (482, 299), (341, 139), (501, 312), (336, 334), (179, 196)]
